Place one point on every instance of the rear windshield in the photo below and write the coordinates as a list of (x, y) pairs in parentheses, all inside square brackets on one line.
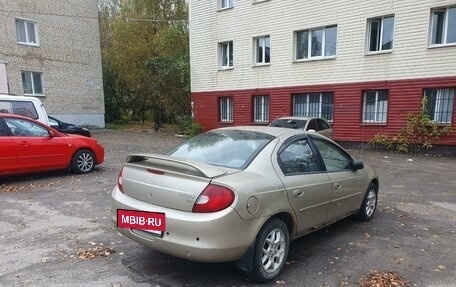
[(290, 123), (22, 108), (228, 148)]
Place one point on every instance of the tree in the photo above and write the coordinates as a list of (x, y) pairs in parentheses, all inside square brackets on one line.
[(145, 58)]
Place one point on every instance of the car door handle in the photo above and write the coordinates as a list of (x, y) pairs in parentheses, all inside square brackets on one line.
[(24, 143), (298, 192), (337, 185)]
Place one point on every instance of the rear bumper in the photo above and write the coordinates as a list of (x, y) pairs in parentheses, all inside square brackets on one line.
[(204, 237)]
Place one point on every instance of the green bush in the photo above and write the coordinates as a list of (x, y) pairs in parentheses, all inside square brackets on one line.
[(420, 132), (188, 126)]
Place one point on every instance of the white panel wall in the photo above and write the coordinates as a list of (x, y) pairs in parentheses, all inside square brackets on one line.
[(410, 58)]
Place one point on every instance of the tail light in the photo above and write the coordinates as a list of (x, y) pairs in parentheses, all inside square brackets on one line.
[(119, 181), (213, 198)]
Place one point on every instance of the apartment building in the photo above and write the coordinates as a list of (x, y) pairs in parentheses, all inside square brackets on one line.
[(50, 49), (363, 65)]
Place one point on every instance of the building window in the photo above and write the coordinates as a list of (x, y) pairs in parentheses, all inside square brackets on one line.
[(439, 105), (375, 106), (27, 32), (226, 109), (263, 50), (380, 34), (261, 109), (315, 43), (226, 55), (224, 4), (313, 105), (443, 26), (32, 83)]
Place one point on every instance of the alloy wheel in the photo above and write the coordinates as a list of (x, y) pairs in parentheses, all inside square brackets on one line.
[(273, 251)]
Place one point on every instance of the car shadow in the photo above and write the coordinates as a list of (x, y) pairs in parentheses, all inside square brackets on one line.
[(48, 176), (150, 266)]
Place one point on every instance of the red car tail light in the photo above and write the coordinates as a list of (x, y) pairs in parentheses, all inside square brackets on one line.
[(119, 181), (213, 198)]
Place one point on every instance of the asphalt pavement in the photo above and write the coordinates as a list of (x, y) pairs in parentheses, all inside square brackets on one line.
[(55, 229)]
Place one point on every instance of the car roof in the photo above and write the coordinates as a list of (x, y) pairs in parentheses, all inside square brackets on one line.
[(297, 118), (273, 131)]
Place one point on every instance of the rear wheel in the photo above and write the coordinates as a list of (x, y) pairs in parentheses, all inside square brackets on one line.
[(369, 205), (271, 251), (83, 161)]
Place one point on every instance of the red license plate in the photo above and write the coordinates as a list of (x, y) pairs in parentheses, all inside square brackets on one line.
[(141, 220)]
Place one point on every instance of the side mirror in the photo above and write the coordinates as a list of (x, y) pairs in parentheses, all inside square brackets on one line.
[(51, 134), (357, 164)]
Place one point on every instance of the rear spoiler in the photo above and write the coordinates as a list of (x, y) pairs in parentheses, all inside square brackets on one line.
[(198, 168)]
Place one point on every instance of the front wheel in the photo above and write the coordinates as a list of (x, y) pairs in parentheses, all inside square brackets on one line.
[(369, 205), (83, 161), (271, 251)]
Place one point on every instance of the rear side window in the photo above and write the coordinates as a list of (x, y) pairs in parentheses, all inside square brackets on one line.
[(22, 108), (298, 158), (323, 125), (312, 125), (228, 148)]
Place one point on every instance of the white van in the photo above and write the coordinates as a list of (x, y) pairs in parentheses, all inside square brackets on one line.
[(26, 106)]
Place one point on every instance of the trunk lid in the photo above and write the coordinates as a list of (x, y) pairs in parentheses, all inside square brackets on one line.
[(167, 181)]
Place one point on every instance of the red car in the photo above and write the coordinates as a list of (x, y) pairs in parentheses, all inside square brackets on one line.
[(28, 146)]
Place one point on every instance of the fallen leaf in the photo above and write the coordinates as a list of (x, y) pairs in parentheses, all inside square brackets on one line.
[(98, 250), (383, 279)]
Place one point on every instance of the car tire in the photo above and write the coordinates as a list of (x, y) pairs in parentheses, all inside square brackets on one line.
[(271, 251), (369, 205), (83, 161)]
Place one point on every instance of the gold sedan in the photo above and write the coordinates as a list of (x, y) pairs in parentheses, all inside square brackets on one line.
[(240, 194)]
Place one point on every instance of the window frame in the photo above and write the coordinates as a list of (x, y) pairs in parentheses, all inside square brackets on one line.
[(379, 44), (32, 82), (256, 41), (377, 113), (334, 147), (230, 4), (260, 117), (436, 110), (445, 27), (307, 105), (24, 23), (289, 143), (309, 57), (38, 130), (226, 110), (230, 55)]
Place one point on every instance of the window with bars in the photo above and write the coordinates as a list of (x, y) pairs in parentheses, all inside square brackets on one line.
[(380, 34), (440, 104), (443, 26), (314, 105), (226, 109), (32, 83), (226, 55), (27, 32), (261, 109), (263, 50), (375, 106)]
